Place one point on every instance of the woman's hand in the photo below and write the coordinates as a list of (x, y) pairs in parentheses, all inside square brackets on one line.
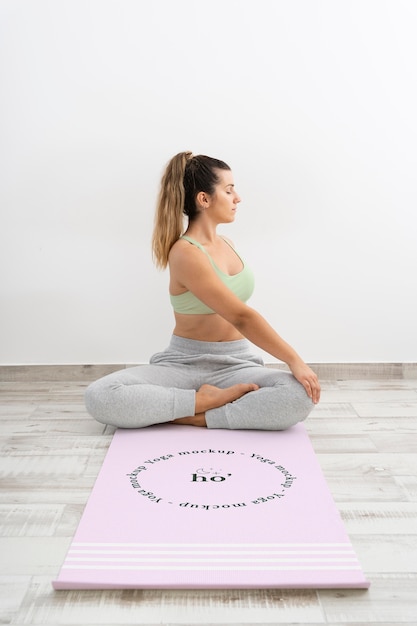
[(305, 375)]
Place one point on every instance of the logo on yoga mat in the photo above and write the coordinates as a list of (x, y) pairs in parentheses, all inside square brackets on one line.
[(203, 475), (211, 479)]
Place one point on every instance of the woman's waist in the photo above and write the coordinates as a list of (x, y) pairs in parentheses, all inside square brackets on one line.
[(195, 347), (209, 328)]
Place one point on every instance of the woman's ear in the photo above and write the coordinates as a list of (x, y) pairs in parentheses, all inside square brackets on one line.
[(202, 200)]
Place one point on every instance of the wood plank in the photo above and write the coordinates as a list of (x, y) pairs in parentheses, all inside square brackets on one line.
[(42, 606), (371, 466), (409, 484), (19, 410), (55, 445), (29, 520), (387, 554), (68, 425), (12, 592), (372, 383), (402, 443), (346, 443), (389, 599), (72, 492), (385, 409), (378, 518), (34, 519), (376, 394), (360, 425), (333, 409), (22, 556), (61, 411)]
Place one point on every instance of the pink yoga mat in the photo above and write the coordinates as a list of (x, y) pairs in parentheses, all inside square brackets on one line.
[(185, 507)]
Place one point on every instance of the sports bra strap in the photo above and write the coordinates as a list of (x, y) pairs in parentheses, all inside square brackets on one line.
[(200, 247), (195, 243)]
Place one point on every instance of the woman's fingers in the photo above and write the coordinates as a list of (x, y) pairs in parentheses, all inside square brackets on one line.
[(308, 379), (316, 389), (313, 390)]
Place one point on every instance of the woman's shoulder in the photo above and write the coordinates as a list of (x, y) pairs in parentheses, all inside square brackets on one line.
[(182, 249)]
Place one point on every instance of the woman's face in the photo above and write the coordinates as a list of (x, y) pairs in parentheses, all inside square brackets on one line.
[(224, 201)]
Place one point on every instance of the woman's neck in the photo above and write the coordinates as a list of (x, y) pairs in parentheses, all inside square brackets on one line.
[(205, 234)]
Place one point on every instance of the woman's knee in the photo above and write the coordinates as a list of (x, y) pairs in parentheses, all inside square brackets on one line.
[(301, 403), (295, 405), (104, 398), (94, 401)]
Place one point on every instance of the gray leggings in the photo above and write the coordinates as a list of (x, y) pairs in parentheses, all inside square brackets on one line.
[(165, 389)]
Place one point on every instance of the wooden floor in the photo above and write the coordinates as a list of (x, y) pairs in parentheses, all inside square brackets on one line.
[(364, 433)]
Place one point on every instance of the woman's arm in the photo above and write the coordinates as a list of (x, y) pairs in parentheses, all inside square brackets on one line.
[(255, 328), (193, 271)]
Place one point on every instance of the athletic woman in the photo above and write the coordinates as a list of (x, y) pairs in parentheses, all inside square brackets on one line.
[(208, 375)]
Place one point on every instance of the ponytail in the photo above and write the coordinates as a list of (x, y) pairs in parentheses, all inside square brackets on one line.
[(185, 176), (169, 211)]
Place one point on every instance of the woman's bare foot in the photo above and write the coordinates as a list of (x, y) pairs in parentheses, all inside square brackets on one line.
[(210, 397), (193, 420)]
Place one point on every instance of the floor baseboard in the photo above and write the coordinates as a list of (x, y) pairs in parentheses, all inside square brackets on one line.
[(87, 373)]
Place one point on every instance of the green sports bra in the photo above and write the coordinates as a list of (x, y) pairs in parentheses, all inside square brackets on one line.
[(242, 285)]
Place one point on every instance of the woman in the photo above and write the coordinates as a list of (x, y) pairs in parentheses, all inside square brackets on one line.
[(208, 375)]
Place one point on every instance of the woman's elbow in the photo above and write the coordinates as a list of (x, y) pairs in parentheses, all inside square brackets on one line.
[(243, 318)]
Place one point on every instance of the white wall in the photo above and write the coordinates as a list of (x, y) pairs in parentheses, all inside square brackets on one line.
[(312, 102)]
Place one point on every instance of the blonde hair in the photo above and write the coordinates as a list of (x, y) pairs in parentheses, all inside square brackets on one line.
[(169, 216), (184, 177)]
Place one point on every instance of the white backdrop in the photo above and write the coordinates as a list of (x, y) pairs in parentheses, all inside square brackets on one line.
[(313, 104)]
